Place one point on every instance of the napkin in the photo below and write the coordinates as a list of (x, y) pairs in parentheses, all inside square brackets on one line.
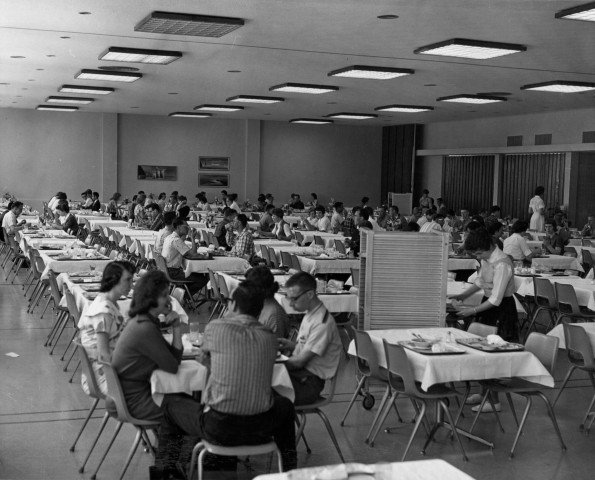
[(324, 255), (495, 340)]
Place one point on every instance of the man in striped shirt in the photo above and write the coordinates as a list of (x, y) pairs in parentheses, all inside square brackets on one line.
[(239, 405)]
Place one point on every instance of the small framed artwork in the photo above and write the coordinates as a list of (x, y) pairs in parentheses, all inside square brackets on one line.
[(156, 172), (215, 164), (214, 180)]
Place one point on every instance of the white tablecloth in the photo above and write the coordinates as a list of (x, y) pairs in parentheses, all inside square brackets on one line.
[(96, 223), (585, 290), (558, 331), (329, 238), (461, 264), (472, 365), (65, 266), (316, 266), (226, 264), (335, 303), (558, 262)]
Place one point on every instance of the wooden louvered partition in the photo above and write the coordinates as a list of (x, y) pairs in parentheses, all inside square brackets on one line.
[(402, 280), (468, 182), (521, 174)]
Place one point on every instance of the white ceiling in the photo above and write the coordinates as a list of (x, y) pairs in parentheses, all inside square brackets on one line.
[(300, 41)]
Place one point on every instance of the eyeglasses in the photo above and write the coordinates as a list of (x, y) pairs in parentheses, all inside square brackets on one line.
[(296, 298)]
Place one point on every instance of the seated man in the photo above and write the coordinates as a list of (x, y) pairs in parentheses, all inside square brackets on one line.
[(166, 231), (96, 205), (589, 228), (224, 227), (10, 221), (434, 225), (175, 251), (316, 354), (154, 217), (324, 223), (296, 202), (239, 405), (338, 217), (243, 245), (266, 222)]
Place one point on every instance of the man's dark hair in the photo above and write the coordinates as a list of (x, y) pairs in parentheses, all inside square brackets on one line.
[(494, 209), (61, 205), (96, 194), (365, 199), (320, 208), (112, 274), (355, 209), (228, 212), (364, 213), (493, 227), (184, 212), (248, 298), (147, 291), (303, 280), (169, 217), (338, 205), (479, 219), (277, 212), (153, 206), (314, 196), (413, 227), (473, 225), (243, 219), (519, 226), (269, 207), (479, 239), (18, 204), (179, 222), (262, 278)]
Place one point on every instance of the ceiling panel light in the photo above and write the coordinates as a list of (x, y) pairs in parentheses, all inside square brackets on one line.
[(108, 76), (560, 86), (303, 88), (254, 99), (56, 108), (190, 115), (476, 99), (476, 49), (403, 108), (219, 108), (311, 121), (138, 55), (72, 100), (582, 12), (88, 90), (373, 73), (168, 23), (352, 116)]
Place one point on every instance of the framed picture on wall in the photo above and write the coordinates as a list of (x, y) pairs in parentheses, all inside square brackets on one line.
[(156, 172), (214, 164), (214, 180)]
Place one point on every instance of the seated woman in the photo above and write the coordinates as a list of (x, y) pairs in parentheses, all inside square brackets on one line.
[(311, 223), (516, 245), (382, 218), (68, 221), (272, 314), (112, 206), (552, 242), (281, 230), (202, 204), (101, 322)]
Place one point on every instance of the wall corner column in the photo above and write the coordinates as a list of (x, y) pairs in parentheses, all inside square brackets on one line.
[(252, 155), (109, 155)]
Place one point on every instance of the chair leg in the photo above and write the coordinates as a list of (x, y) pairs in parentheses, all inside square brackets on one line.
[(68, 346), (330, 431), (101, 428), (78, 365), (139, 434), (50, 299), (358, 389), (74, 350), (385, 398), (587, 413), (60, 319), (512, 409), (57, 339), (91, 410), (199, 447), (522, 424), (118, 428), (380, 421), (454, 430), (552, 415), (418, 422), (566, 378)]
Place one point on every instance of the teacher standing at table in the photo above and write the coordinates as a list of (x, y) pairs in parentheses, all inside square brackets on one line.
[(537, 209), (496, 278)]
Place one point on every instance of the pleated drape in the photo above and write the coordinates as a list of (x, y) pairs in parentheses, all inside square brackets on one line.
[(468, 182)]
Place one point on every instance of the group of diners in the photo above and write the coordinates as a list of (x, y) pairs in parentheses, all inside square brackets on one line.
[(238, 405)]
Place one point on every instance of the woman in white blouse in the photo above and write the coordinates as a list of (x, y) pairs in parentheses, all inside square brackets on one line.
[(516, 245)]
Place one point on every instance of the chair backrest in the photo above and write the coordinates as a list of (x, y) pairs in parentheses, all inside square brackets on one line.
[(286, 259), (295, 263), (587, 243), (214, 285), (94, 390), (544, 347), (223, 290), (113, 254), (355, 277), (398, 365), (273, 258), (178, 294), (587, 258), (299, 237), (567, 301), (73, 309), (340, 246), (160, 262), (33, 255), (570, 252), (482, 329), (367, 359), (545, 295), (264, 253), (54, 289), (318, 240), (578, 346), (255, 216), (205, 237)]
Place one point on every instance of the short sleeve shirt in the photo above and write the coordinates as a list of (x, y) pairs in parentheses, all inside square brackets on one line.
[(161, 236), (9, 221), (174, 249), (516, 246)]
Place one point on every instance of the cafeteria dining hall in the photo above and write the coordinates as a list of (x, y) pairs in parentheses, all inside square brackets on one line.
[(297, 240)]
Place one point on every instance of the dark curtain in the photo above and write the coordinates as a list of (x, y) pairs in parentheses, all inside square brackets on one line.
[(468, 182)]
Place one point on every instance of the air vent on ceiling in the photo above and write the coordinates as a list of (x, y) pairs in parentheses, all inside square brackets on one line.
[(589, 137), (514, 141), (116, 68), (168, 23), (543, 139)]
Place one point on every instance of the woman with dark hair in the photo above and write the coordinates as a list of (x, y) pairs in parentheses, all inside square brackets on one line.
[(281, 230), (184, 213), (313, 200), (496, 229), (272, 314), (112, 206), (101, 321), (162, 200), (202, 204), (382, 216), (516, 245), (141, 348), (68, 221), (233, 202), (537, 209)]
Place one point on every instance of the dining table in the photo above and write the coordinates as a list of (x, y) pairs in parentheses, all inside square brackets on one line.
[(58, 263), (584, 288), (556, 262)]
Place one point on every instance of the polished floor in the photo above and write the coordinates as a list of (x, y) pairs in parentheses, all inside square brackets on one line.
[(41, 412)]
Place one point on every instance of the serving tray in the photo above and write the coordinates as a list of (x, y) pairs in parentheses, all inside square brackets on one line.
[(482, 344), (428, 350)]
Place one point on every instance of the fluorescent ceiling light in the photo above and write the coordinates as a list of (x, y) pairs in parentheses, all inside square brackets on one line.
[(168, 23), (404, 108), (476, 49), (373, 73), (254, 99), (352, 116), (88, 90), (560, 86), (219, 108), (73, 100), (584, 12), (476, 99), (303, 88), (190, 115), (311, 121), (56, 108), (107, 76), (137, 55)]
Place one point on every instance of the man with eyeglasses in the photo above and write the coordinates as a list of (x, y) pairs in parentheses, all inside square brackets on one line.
[(316, 354)]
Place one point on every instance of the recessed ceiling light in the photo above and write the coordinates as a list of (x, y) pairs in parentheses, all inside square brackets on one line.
[(352, 116), (4, 83), (476, 49), (134, 107), (87, 90), (50, 56), (118, 68), (190, 115), (303, 88), (65, 38), (72, 100), (138, 55), (234, 71), (375, 73), (584, 12), (311, 121), (17, 56), (172, 93), (39, 69), (87, 74), (430, 85), (84, 13), (404, 108), (476, 99), (167, 23), (387, 17), (56, 108), (560, 86), (254, 99), (31, 80), (219, 108)]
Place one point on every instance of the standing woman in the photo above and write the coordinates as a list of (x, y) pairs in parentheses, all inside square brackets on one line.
[(537, 209)]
